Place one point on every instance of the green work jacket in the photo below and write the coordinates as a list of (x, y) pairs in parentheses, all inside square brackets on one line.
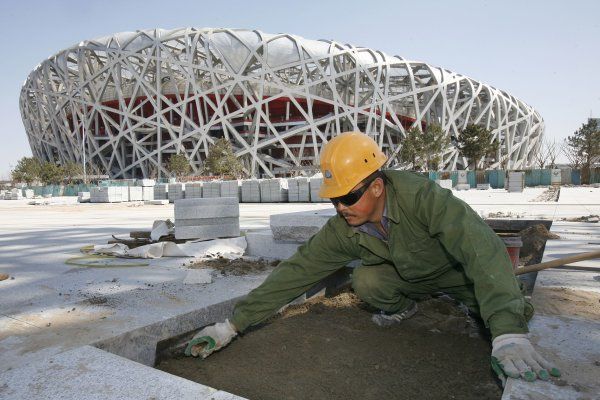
[(430, 232)]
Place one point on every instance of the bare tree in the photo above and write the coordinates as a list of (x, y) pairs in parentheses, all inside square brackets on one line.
[(573, 156), (546, 155)]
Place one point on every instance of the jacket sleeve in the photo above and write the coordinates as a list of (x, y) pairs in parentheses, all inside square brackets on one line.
[(326, 252), (482, 254)]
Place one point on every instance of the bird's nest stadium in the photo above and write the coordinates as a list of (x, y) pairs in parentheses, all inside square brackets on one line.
[(127, 102)]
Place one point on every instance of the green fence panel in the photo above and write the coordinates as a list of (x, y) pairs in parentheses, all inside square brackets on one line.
[(595, 175), (546, 178), (576, 177), (454, 177), (472, 179), (496, 178)]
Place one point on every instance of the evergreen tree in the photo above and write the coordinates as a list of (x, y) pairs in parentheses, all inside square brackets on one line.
[(51, 173), (585, 144), (475, 142), (28, 169), (221, 160), (179, 165)]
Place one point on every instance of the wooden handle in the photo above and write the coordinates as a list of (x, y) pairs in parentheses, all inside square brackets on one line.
[(558, 262)]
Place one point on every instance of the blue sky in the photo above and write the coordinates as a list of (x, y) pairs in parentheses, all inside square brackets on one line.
[(546, 53)]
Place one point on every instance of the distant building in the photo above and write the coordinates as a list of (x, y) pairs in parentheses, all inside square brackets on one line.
[(127, 102)]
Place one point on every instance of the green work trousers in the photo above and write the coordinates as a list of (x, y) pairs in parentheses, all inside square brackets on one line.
[(382, 287)]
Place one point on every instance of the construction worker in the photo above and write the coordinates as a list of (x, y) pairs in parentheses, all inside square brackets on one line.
[(414, 238)]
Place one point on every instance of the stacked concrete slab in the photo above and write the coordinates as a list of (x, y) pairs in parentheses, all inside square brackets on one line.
[(83, 197), (176, 191), (147, 186), (161, 191), (315, 186), (136, 193), (111, 194), (298, 190), (28, 193), (516, 182), (274, 190), (211, 189), (206, 219), (251, 191), (193, 190), (14, 194), (463, 182), (231, 189)]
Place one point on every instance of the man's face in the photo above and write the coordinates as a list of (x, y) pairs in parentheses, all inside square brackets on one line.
[(363, 210)]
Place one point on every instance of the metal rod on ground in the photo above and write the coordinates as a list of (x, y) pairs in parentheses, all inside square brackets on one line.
[(558, 262)]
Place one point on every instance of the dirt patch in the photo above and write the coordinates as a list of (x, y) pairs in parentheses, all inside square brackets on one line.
[(587, 218), (239, 266), (534, 242), (550, 194), (567, 302), (330, 349)]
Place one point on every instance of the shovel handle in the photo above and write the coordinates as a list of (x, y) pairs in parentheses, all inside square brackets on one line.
[(558, 262)]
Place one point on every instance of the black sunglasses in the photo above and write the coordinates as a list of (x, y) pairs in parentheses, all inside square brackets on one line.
[(355, 195)]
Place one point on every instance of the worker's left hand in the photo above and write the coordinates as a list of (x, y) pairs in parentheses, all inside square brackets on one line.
[(514, 356)]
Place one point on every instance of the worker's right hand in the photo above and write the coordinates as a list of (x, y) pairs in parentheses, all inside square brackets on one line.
[(513, 355), (211, 339)]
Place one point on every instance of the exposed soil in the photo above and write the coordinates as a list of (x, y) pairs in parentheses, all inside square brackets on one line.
[(564, 301), (550, 194), (330, 349), (239, 266), (587, 218)]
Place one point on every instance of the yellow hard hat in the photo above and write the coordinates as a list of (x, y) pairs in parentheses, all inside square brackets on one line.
[(346, 160)]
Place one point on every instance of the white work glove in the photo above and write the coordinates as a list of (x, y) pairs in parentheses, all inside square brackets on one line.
[(514, 356), (211, 339)]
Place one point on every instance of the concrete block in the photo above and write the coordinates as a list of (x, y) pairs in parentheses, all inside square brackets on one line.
[(462, 186), (231, 189), (83, 197), (147, 193), (315, 186), (445, 183), (161, 191), (28, 193), (156, 202), (136, 193), (176, 191), (462, 177), (299, 226), (483, 186), (211, 189), (207, 208), (147, 182), (262, 244), (193, 190), (273, 190), (298, 190), (198, 276), (251, 191), (203, 232)]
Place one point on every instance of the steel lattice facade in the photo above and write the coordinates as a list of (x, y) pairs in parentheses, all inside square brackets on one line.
[(127, 102)]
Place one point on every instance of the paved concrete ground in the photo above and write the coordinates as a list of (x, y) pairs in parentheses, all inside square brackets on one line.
[(50, 311)]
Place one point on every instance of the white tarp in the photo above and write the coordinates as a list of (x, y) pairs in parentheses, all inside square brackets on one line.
[(229, 248)]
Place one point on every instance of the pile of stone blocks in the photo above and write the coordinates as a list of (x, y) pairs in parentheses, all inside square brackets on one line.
[(111, 194), (274, 190), (28, 193), (298, 190), (206, 219), (193, 190), (231, 189), (83, 197), (147, 189), (161, 191), (136, 193), (176, 191), (445, 183), (315, 186), (515, 182), (211, 189), (14, 194), (251, 191)]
